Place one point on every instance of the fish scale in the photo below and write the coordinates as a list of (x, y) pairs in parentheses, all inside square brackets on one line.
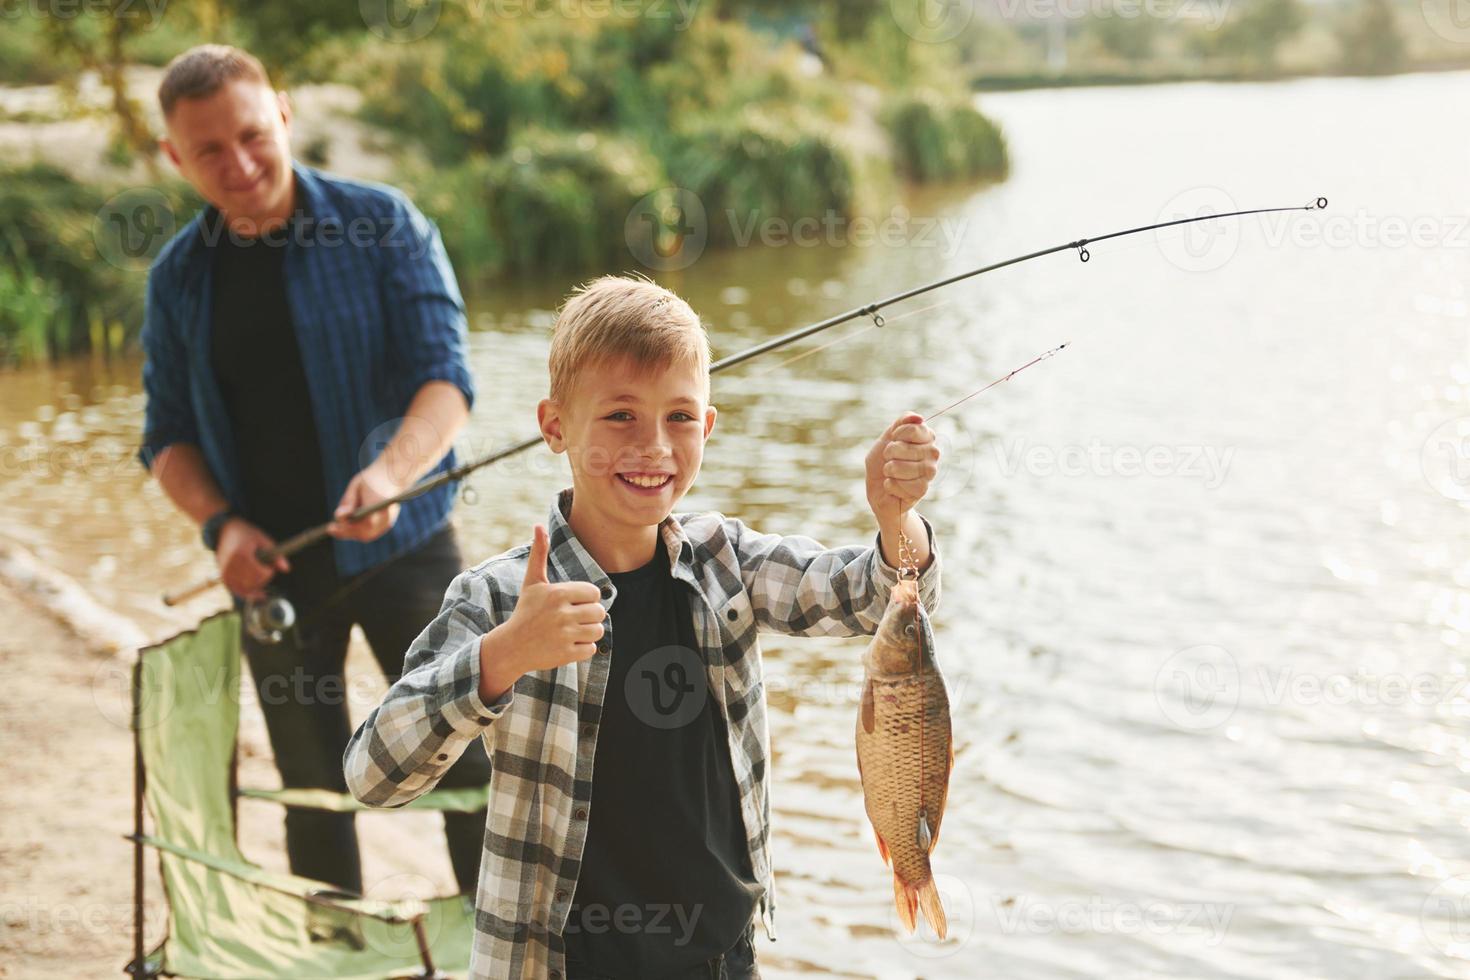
[(904, 751)]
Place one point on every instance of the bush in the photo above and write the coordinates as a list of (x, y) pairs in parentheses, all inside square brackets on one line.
[(758, 168), (555, 202), (936, 140), (52, 268)]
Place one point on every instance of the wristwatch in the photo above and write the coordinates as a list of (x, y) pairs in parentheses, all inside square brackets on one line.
[(212, 527)]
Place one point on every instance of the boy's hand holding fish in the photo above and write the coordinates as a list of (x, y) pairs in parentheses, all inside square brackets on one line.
[(900, 467)]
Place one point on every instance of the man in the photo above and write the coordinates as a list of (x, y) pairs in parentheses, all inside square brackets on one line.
[(298, 322)]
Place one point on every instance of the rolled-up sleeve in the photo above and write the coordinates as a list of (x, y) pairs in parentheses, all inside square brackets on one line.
[(431, 713), (169, 415), (427, 333), (799, 587)]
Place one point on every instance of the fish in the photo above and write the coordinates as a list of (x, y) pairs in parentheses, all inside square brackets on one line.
[(903, 730)]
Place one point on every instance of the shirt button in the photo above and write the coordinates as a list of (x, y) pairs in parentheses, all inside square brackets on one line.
[(561, 895), (442, 757), (589, 730), (581, 813), (607, 591), (731, 614)]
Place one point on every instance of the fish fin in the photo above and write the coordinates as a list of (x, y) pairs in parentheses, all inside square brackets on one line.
[(882, 846), (933, 835), (907, 903), (928, 900), (867, 712)]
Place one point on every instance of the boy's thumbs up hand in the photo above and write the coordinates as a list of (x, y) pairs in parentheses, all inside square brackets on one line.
[(554, 623), (536, 563)]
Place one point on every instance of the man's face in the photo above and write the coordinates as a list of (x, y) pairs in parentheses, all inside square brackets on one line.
[(234, 148), (635, 438)]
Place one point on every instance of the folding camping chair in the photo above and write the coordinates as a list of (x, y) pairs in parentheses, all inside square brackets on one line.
[(229, 918)]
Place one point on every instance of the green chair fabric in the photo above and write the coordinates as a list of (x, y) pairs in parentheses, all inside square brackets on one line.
[(229, 918)]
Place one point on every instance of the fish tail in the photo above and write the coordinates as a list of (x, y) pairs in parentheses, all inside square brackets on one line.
[(906, 900), (928, 898)]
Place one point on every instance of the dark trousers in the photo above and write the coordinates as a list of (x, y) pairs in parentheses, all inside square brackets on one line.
[(735, 963), (303, 696)]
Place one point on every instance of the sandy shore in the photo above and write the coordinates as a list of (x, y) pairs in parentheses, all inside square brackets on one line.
[(66, 899)]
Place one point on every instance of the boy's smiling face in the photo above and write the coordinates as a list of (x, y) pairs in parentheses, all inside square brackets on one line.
[(635, 437)]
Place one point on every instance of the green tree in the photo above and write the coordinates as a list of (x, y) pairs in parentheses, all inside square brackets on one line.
[(1257, 34), (1371, 40)]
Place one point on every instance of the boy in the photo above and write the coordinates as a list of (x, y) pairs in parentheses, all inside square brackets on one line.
[(629, 824)]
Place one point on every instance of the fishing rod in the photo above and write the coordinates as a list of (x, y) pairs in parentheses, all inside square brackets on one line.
[(312, 535)]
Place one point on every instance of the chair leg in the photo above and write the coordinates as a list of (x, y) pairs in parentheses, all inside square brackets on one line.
[(428, 972)]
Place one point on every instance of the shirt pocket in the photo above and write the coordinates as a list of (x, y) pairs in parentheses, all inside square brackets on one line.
[(738, 637)]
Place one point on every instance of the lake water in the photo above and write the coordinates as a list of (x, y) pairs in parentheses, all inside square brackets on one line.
[(1207, 591)]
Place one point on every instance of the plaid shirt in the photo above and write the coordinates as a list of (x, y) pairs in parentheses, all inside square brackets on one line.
[(541, 787), (377, 315)]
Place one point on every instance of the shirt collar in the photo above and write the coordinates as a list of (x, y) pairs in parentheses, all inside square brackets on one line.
[(575, 563), (313, 206)]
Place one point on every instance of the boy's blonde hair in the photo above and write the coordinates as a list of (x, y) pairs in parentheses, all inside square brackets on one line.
[(627, 316)]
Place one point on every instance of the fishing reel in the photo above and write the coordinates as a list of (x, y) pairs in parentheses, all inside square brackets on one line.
[(268, 620)]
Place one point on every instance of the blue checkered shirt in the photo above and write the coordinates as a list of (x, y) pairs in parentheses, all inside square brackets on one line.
[(377, 314)]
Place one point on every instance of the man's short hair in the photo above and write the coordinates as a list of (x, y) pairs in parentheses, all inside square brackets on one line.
[(202, 71), (624, 316)]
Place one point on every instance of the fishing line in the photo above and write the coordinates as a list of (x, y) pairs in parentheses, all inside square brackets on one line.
[(872, 310)]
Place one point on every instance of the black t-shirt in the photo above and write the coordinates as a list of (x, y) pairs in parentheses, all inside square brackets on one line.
[(257, 363), (665, 880)]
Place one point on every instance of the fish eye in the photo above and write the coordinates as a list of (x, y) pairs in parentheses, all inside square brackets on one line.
[(909, 630)]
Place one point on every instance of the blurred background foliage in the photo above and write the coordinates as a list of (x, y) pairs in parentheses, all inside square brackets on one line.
[(528, 138)]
